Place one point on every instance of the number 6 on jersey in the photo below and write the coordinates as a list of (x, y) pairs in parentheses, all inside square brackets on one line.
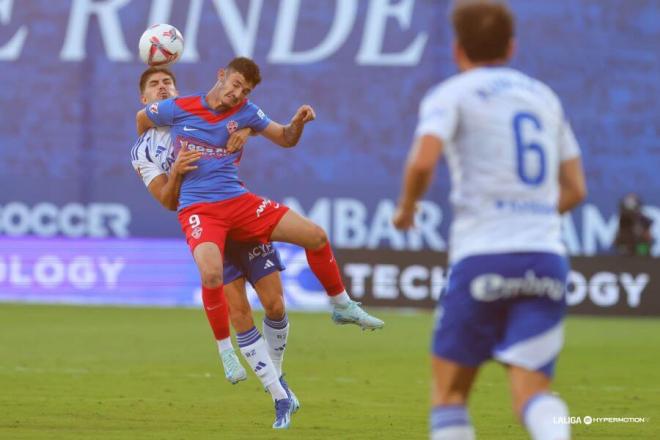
[(527, 151)]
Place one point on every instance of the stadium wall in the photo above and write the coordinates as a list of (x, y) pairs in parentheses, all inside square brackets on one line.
[(70, 71)]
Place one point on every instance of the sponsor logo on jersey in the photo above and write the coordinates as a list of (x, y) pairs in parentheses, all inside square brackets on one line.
[(197, 232), (261, 114), (186, 128), (232, 126), (153, 108), (492, 286), (204, 148), (264, 204), (269, 264)]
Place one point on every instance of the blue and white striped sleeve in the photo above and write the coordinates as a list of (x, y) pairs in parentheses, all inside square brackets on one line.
[(143, 161)]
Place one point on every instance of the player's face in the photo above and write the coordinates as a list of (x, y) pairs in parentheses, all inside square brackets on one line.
[(235, 88), (159, 86)]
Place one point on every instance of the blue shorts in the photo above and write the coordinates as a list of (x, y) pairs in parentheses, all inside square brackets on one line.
[(509, 307), (250, 261)]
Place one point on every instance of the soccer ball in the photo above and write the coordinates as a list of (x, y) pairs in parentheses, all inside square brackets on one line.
[(160, 45)]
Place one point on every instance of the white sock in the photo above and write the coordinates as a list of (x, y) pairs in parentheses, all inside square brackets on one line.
[(225, 344), (341, 299), (451, 422), (254, 350), (543, 417), (454, 433), (276, 334)]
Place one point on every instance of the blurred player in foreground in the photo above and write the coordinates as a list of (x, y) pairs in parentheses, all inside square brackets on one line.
[(515, 167), (153, 158)]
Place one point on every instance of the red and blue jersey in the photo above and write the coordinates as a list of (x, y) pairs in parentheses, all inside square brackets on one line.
[(196, 126)]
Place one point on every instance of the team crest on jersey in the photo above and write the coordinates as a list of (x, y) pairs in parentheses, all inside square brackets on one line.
[(197, 232), (153, 108), (232, 126)]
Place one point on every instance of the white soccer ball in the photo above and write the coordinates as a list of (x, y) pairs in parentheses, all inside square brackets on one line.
[(160, 45)]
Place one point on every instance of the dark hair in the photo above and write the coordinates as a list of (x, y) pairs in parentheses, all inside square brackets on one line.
[(247, 68), (483, 29), (153, 70)]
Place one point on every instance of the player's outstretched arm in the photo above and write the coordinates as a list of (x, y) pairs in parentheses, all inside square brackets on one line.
[(418, 173), (287, 136), (143, 122), (572, 185), (165, 189)]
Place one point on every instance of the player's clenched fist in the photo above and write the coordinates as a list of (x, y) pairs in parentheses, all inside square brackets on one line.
[(304, 114), (238, 139), (403, 218), (184, 162)]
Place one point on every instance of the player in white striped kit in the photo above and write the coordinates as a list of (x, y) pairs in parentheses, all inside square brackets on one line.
[(515, 167)]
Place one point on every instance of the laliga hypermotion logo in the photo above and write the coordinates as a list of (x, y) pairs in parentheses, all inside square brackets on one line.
[(232, 126), (153, 108), (197, 232)]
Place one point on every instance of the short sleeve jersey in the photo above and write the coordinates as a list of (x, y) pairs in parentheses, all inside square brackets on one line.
[(196, 126), (151, 155), (505, 135)]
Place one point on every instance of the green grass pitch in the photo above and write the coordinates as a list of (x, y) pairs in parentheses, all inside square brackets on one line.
[(113, 373)]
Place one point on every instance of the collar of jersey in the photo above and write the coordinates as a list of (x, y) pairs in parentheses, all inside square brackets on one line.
[(231, 111)]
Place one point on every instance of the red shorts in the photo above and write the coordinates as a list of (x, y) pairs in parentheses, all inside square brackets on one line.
[(247, 218)]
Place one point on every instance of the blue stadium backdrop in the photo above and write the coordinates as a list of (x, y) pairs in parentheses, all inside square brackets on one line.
[(76, 224)]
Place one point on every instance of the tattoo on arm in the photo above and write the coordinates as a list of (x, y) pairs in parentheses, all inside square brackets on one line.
[(292, 133)]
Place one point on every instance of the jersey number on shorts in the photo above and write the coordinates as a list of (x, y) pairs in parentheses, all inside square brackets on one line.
[(528, 151), (194, 221)]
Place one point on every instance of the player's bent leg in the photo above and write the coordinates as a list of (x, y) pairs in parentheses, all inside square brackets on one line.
[(542, 412), (450, 386), (208, 258), (241, 318), (255, 352), (276, 322), (271, 295), (268, 285), (240, 312), (296, 229), (209, 262)]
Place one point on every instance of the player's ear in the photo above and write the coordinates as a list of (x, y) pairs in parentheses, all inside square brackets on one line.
[(221, 74), (143, 100)]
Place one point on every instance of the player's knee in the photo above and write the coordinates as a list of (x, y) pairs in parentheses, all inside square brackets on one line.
[(274, 308), (211, 279), (318, 238)]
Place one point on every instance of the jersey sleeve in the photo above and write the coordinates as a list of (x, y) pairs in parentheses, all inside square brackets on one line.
[(142, 161), (161, 113), (568, 145), (438, 115), (257, 120)]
